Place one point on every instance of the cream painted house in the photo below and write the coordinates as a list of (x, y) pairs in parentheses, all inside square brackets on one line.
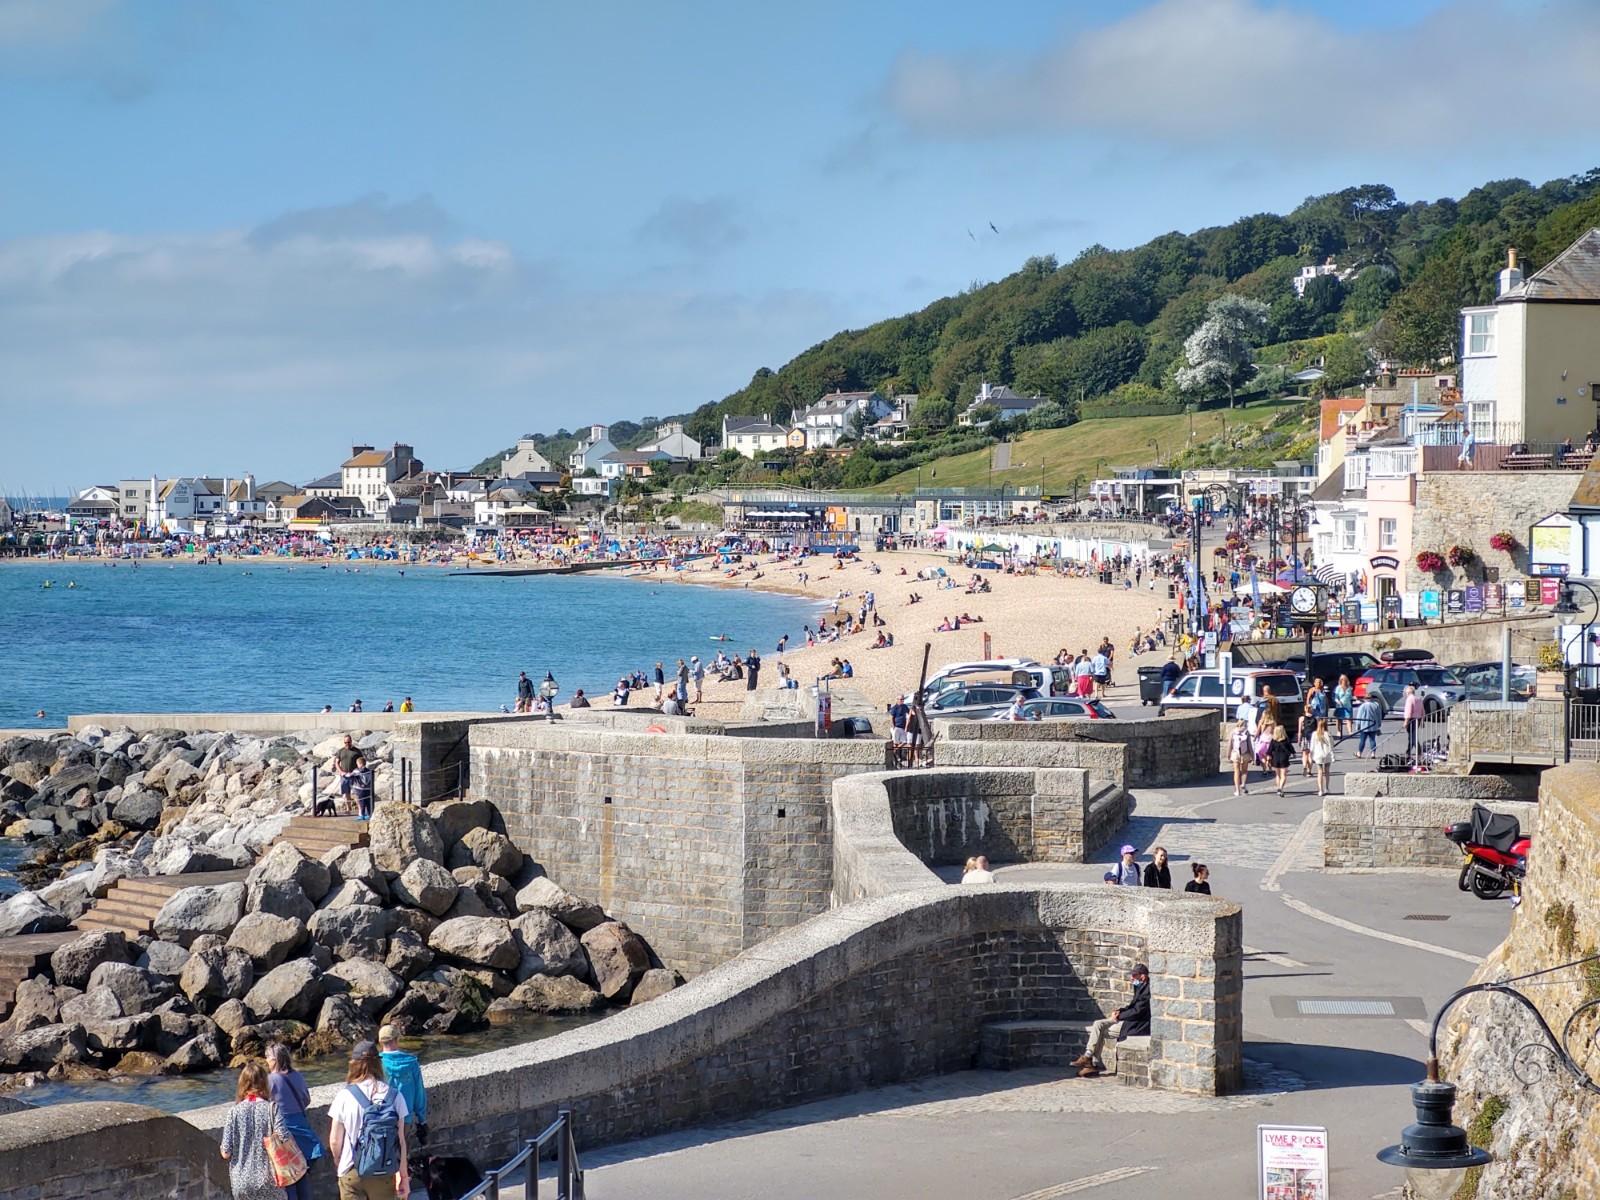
[(1530, 362)]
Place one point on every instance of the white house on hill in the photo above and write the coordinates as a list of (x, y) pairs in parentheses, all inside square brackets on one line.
[(831, 418), (1009, 403), (752, 436), (591, 450)]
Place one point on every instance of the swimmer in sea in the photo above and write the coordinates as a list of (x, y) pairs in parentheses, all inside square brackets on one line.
[(40, 715)]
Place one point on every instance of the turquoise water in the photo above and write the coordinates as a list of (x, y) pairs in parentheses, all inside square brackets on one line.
[(12, 852), (278, 637)]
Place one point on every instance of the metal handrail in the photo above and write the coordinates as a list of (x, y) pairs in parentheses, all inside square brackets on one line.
[(569, 1174)]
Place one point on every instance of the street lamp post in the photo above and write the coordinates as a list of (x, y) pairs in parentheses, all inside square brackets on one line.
[(1434, 1150), (1566, 606)]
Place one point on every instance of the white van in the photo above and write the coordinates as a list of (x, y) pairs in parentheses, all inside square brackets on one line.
[(1004, 672)]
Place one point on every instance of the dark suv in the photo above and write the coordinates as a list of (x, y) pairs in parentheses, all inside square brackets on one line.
[(1352, 664)]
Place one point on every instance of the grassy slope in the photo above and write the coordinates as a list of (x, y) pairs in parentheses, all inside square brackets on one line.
[(1078, 449)]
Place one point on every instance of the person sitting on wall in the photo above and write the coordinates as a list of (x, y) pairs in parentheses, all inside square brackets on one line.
[(1131, 1020)]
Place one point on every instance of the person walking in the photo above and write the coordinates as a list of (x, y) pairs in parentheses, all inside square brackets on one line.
[(1411, 714), (403, 1071), (250, 1121), (1279, 755), (1171, 672), (1131, 1020), (698, 670), (683, 682), (1322, 755), (364, 1116), (752, 669), (348, 764), (1157, 874), (1369, 720), (1201, 883), (292, 1096), (661, 684), (1344, 699), (524, 692), (1128, 873), (1241, 752)]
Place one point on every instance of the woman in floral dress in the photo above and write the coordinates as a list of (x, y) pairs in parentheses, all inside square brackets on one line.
[(249, 1122)]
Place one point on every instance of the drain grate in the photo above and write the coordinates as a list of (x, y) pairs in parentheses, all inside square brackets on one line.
[(1345, 1008), (1426, 917)]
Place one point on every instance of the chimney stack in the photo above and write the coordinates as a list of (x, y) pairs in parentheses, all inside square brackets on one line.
[(1512, 275)]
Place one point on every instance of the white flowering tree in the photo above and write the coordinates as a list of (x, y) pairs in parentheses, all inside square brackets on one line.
[(1219, 351)]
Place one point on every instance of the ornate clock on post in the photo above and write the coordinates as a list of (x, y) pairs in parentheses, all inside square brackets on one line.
[(1306, 610)]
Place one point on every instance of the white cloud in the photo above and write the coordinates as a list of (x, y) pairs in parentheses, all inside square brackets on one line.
[(242, 346), (30, 24), (1228, 72)]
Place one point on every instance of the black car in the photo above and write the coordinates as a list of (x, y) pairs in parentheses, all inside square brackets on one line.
[(1328, 667)]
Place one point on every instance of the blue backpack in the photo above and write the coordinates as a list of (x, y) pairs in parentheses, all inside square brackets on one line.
[(377, 1149)]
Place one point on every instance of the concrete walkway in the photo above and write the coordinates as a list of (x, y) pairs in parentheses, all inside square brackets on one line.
[(1035, 1135)]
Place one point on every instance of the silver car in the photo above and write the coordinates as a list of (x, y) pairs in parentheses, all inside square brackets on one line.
[(978, 701), (1061, 708)]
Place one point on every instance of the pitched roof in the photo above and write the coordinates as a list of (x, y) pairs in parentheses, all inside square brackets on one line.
[(756, 425), (1573, 275), (369, 458), (636, 456), (1334, 411), (1588, 493), (1332, 487), (334, 480)]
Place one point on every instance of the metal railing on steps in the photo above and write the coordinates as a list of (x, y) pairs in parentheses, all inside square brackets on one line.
[(556, 1137)]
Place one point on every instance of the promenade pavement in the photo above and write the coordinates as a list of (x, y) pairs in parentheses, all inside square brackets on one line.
[(1040, 1134)]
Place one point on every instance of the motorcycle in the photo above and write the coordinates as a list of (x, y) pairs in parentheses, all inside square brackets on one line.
[(1494, 853)]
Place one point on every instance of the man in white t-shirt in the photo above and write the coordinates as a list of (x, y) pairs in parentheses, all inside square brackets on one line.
[(346, 1115)]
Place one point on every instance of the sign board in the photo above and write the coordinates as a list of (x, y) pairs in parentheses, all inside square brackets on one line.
[(1474, 598), (1532, 589), (1455, 602), (1352, 612), (1493, 597), (1549, 590), (1410, 606), (1550, 546), (1384, 562), (1391, 605), (1369, 612), (1429, 600), (1292, 1162), (1516, 593)]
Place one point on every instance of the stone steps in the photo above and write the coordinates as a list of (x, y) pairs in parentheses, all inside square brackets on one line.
[(316, 836), (133, 903)]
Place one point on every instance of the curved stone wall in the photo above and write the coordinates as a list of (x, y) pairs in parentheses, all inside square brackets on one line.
[(107, 1151), (1161, 750), (868, 994)]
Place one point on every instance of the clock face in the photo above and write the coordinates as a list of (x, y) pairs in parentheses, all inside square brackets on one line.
[(1303, 600)]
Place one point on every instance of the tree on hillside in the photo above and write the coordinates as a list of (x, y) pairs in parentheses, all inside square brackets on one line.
[(933, 412), (1219, 351), (1049, 415), (1345, 361)]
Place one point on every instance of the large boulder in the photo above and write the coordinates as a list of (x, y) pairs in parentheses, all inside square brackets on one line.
[(267, 939), (94, 1006), (618, 957), (292, 991), (136, 989), (572, 911), (341, 1023), (138, 809), (117, 1035), (217, 974), (200, 1053), (481, 941), (212, 908), (358, 866), (352, 891), (110, 865), (285, 863), (547, 947), (356, 931), (657, 981), (279, 897), (556, 995), (27, 913), (426, 885), (485, 848), (473, 900), (408, 955), (179, 857), (371, 985), (455, 817), (232, 1016), (44, 1047), (399, 834), (68, 895), (164, 958), (74, 962), (35, 1004)]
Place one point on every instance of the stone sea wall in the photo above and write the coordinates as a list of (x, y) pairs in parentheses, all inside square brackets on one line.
[(108, 1152), (1545, 1132), (1162, 751), (710, 843), (1397, 820)]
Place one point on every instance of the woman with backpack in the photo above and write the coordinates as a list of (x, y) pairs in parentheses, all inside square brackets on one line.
[(244, 1134), (368, 1137)]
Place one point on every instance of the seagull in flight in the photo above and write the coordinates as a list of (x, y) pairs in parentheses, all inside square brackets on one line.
[(972, 235), (991, 226)]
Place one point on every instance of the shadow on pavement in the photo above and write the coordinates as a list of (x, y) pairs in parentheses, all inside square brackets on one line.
[(1322, 1068)]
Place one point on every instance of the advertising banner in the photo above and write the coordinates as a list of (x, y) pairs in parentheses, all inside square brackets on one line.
[(1292, 1162), (1430, 604)]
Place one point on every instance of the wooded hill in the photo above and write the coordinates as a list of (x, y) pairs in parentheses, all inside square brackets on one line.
[(1110, 325)]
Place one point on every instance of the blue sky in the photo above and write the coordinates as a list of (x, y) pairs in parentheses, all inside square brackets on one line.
[(242, 236)]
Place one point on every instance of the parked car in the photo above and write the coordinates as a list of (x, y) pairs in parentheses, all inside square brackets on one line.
[(1482, 680), (1437, 686), (1328, 667), (1060, 708), (1006, 672), (1204, 689), (977, 702)]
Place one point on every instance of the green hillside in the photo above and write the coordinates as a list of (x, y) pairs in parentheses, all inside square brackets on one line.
[(1094, 448)]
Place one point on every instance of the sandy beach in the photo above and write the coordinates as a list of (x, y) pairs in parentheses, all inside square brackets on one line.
[(1030, 616)]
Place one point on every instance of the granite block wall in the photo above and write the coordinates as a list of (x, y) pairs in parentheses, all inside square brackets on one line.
[(1407, 830), (1161, 750), (107, 1151)]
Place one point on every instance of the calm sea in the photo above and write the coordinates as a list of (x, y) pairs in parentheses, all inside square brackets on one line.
[(279, 637)]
